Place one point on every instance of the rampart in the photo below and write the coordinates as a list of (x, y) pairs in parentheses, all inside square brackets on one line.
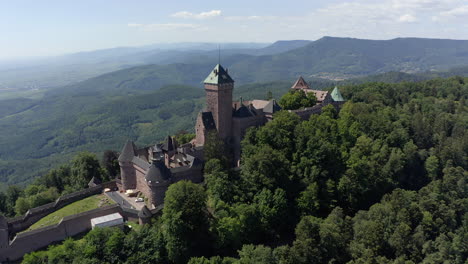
[(21, 223), (40, 238)]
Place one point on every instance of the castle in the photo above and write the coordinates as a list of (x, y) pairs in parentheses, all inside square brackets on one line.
[(151, 170)]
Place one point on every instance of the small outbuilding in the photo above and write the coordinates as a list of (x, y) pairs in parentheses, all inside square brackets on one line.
[(107, 221)]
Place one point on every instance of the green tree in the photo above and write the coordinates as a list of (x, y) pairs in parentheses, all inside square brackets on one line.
[(296, 99), (256, 254), (185, 223), (308, 201), (111, 164), (216, 148), (22, 205), (84, 167)]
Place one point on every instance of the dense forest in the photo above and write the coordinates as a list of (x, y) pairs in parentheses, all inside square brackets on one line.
[(384, 180)]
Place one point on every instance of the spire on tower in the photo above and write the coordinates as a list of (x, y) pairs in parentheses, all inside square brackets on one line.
[(218, 76)]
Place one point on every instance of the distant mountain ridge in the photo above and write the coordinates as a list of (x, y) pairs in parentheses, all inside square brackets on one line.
[(255, 62), (354, 57)]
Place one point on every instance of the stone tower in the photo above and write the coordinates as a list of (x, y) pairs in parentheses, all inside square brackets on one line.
[(4, 241), (127, 171), (218, 87)]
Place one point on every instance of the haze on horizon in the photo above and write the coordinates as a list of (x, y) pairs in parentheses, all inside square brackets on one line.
[(37, 28)]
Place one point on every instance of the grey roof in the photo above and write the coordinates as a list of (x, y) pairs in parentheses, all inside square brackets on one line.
[(157, 148), (128, 152), (245, 111), (144, 212), (336, 95), (141, 163), (272, 107), (208, 120), (169, 144), (95, 181), (158, 172), (218, 76)]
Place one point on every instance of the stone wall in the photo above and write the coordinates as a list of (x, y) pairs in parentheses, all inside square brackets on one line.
[(40, 238), (21, 223), (305, 113), (141, 184)]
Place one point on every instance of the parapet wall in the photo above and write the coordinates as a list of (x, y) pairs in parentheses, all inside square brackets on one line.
[(21, 223), (305, 113), (40, 238)]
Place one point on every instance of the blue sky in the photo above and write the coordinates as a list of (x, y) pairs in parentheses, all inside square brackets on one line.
[(52, 27)]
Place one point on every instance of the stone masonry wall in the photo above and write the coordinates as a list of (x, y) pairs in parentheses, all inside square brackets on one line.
[(219, 102), (21, 223), (141, 184), (40, 238)]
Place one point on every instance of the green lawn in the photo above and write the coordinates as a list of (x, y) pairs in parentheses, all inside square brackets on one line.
[(134, 225), (84, 205)]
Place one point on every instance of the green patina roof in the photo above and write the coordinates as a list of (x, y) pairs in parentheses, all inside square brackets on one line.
[(336, 95), (218, 76)]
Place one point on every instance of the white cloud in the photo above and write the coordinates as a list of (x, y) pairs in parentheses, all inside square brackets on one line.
[(134, 25), (370, 19), (202, 15), (456, 12), (164, 26), (421, 5), (251, 18), (407, 18)]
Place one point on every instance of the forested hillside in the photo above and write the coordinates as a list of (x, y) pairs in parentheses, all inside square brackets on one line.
[(382, 181), (57, 127), (103, 112)]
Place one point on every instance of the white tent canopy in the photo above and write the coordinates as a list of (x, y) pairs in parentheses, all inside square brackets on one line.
[(107, 220)]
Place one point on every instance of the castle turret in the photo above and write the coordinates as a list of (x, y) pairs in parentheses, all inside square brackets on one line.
[(127, 171), (218, 87), (336, 95), (158, 179), (4, 241)]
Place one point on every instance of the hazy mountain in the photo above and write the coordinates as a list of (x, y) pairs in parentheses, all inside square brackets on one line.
[(328, 57), (71, 68)]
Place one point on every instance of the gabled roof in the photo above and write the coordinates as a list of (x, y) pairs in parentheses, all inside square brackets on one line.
[(208, 120), (218, 76), (336, 95), (300, 84), (144, 212), (272, 107), (128, 152)]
